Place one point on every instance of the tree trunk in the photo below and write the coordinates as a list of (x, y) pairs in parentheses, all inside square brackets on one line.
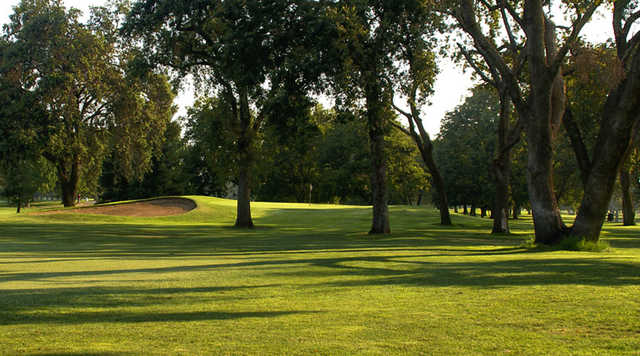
[(464, 209), (245, 162), (543, 115), (376, 125), (68, 178), (547, 221), (243, 211), (455, 209), (609, 153), (516, 212), (500, 211), (426, 151), (619, 121), (483, 212), (628, 212), (501, 168), (19, 206), (472, 212)]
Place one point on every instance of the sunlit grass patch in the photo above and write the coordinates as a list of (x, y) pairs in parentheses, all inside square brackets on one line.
[(308, 280)]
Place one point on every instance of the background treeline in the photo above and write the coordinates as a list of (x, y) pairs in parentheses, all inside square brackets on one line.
[(320, 155)]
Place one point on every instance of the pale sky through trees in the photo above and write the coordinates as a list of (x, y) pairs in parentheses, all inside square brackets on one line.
[(451, 86)]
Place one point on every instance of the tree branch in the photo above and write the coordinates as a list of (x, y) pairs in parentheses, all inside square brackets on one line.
[(575, 32), (577, 143)]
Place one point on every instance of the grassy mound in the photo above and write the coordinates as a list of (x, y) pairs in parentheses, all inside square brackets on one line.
[(307, 280)]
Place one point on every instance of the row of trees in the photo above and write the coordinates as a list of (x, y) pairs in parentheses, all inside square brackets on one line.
[(322, 153), (257, 63)]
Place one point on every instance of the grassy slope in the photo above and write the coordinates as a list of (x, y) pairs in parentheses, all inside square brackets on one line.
[(308, 280)]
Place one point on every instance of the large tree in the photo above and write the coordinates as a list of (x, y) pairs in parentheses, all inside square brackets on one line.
[(23, 134), (236, 49), (368, 36), (414, 79), (539, 99), (79, 77)]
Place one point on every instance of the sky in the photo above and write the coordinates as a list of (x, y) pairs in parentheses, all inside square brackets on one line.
[(451, 87)]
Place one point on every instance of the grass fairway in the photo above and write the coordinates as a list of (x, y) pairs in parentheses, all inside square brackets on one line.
[(308, 280)]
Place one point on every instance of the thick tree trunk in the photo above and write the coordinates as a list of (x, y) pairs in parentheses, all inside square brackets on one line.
[(611, 149), (516, 212), (464, 209), (68, 178), (547, 221), (376, 125), (483, 212), (243, 211), (472, 212), (628, 212), (620, 117), (245, 162), (545, 109)]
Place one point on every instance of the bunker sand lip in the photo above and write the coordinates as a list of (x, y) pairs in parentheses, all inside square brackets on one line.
[(147, 208)]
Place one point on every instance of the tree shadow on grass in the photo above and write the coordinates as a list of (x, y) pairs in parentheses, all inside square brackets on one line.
[(128, 240), (82, 354), (496, 274), (29, 306), (416, 268), (142, 317)]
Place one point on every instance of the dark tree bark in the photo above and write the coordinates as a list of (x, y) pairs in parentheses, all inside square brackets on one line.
[(376, 124), (245, 163), (483, 212), (500, 211), (68, 178), (543, 116), (541, 107), (620, 117), (243, 208), (628, 212), (622, 110), (577, 143), (464, 209), (516, 212), (507, 139)]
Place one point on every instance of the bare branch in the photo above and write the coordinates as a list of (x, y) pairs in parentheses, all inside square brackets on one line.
[(401, 128), (475, 66), (583, 19), (512, 11), (507, 25)]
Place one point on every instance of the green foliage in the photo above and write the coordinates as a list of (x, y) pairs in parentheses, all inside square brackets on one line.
[(24, 178), (167, 175), (466, 146), (211, 153), (91, 102)]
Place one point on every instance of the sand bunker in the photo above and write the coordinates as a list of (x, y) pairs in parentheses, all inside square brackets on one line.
[(156, 207)]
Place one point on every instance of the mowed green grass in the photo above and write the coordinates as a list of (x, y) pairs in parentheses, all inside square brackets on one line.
[(308, 280)]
